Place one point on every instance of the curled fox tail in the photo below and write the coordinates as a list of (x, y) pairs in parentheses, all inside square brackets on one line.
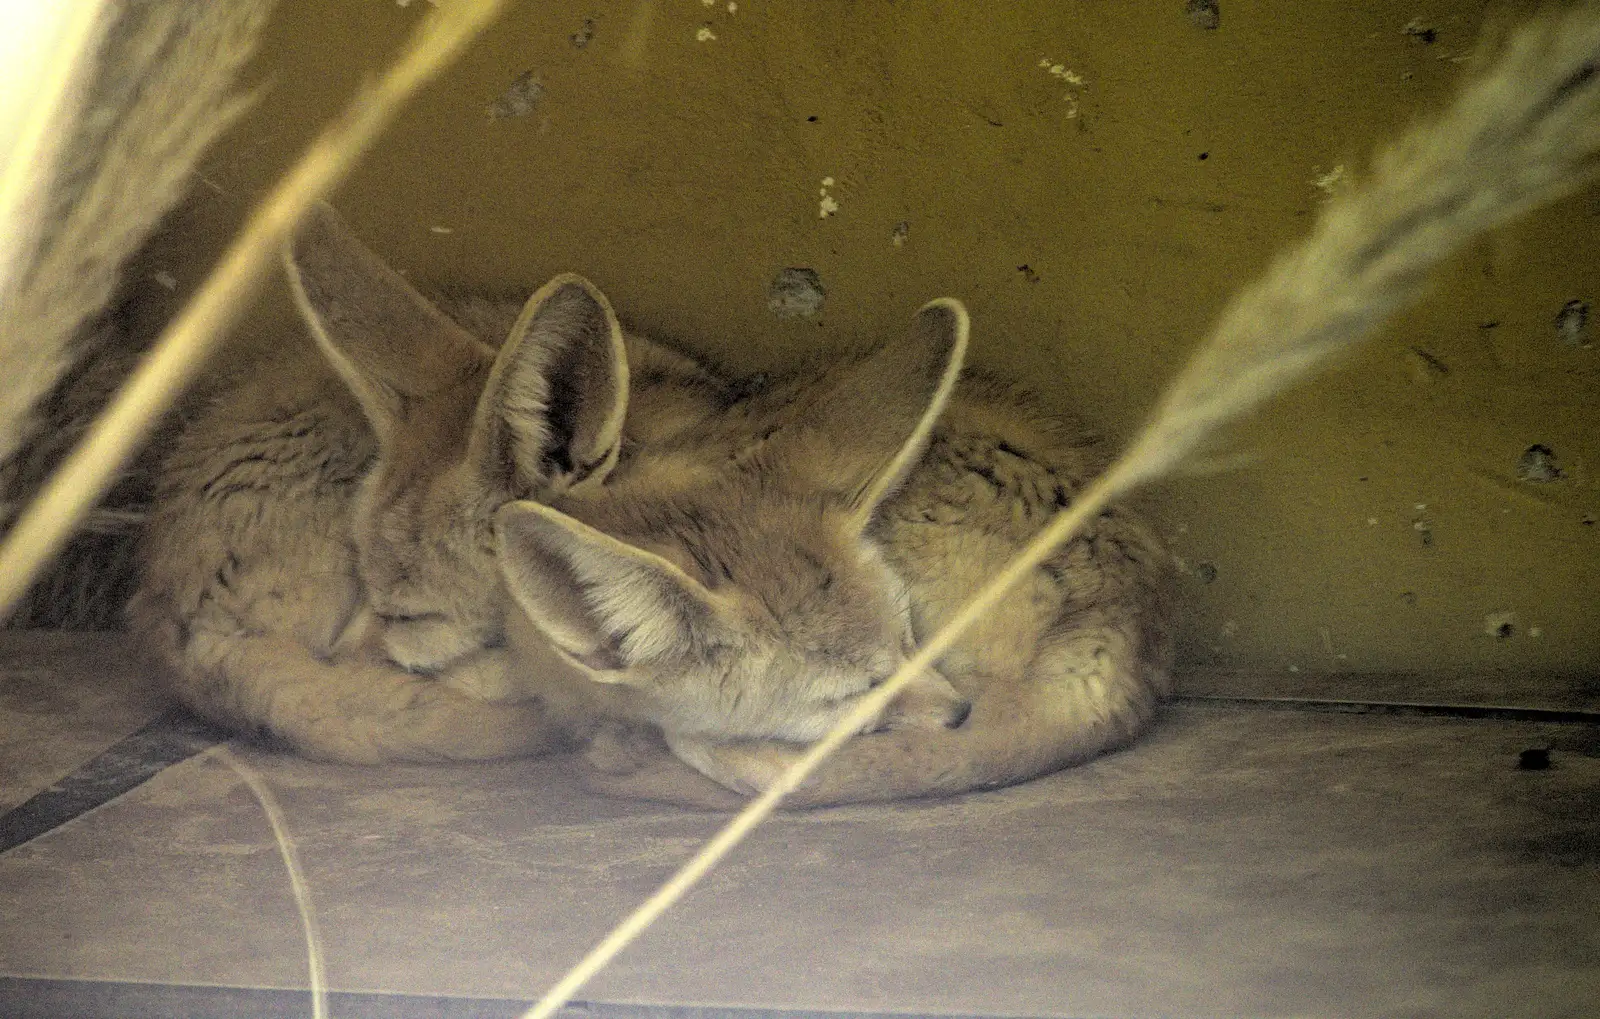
[(352, 708), (1093, 688)]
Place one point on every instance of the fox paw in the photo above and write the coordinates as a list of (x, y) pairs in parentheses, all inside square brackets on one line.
[(747, 767), (616, 749), (626, 766)]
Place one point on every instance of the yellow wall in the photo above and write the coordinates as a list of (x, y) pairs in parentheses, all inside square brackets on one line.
[(681, 173)]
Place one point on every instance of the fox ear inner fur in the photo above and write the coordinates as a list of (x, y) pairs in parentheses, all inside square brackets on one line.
[(551, 416), (551, 412), (603, 603)]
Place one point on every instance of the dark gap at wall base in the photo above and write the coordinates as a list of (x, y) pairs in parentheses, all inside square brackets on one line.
[(1491, 712), (24, 998)]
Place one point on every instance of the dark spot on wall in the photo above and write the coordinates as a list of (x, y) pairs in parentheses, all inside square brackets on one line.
[(519, 99), (1204, 14), (1432, 364), (1206, 573), (1572, 323), (811, 119), (1538, 466), (1203, 156), (1424, 531), (583, 35), (1419, 31), (795, 293), (1028, 273)]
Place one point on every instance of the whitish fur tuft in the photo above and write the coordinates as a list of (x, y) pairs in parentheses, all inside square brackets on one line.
[(104, 144)]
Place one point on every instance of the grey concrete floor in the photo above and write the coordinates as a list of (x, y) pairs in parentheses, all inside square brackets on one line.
[(1242, 860)]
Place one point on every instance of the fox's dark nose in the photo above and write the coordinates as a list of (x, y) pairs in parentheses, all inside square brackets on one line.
[(959, 715)]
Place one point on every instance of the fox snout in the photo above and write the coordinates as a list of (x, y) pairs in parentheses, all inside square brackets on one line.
[(928, 702)]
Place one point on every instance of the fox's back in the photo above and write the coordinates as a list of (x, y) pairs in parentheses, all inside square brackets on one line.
[(997, 469), (250, 521)]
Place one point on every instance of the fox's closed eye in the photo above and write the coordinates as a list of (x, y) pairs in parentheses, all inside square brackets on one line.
[(411, 617)]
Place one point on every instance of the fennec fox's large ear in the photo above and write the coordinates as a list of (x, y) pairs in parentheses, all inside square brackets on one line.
[(391, 346), (602, 602), (882, 412), (551, 416)]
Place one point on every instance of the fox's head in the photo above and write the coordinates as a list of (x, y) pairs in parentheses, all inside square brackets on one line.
[(461, 430), (752, 603)]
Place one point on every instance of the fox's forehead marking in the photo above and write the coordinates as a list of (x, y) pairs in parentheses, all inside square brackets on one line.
[(811, 582), (788, 555), (828, 603)]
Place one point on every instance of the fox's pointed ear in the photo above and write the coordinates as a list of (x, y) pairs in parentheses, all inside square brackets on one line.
[(603, 603), (391, 346), (883, 411), (551, 415)]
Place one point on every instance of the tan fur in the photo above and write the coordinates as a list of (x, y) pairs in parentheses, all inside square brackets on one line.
[(761, 572), (307, 541), (313, 527)]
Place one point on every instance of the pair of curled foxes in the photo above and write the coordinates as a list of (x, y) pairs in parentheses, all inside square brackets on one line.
[(466, 536), (426, 537)]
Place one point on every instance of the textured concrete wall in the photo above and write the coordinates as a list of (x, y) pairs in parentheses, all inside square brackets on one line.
[(1094, 179)]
